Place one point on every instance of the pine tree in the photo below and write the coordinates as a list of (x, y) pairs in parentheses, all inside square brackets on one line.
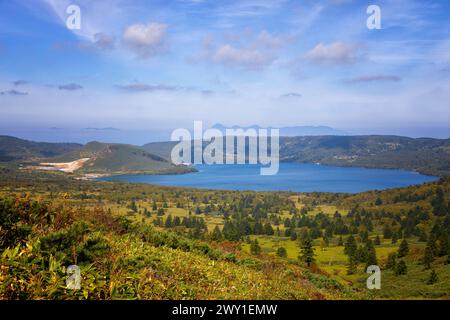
[(325, 241), (352, 265), (216, 234), (438, 203), (307, 254), (168, 223), (444, 248), (350, 246), (391, 261), (268, 230), (403, 249), (293, 235), (423, 236), (433, 278), (255, 248), (428, 257), (281, 252), (133, 207), (377, 241), (371, 255), (401, 268), (394, 238), (387, 232)]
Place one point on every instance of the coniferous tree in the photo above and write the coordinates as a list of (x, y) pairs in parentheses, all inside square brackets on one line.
[(293, 235), (387, 232), (268, 230), (160, 212), (352, 265), (325, 241), (423, 236), (391, 261), (281, 252), (377, 240), (350, 246), (307, 254), (401, 268), (428, 257), (403, 249), (438, 203), (216, 234), (255, 248), (133, 207), (168, 223), (433, 278), (371, 255), (444, 248), (394, 238)]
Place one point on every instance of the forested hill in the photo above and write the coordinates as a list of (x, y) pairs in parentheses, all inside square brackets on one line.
[(13, 149), (119, 158), (425, 155), (94, 157)]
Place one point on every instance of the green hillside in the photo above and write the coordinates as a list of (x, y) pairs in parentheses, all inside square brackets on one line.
[(119, 158), (15, 149), (162, 149), (425, 155)]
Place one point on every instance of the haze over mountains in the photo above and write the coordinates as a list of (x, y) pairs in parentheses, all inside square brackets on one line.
[(294, 131), (138, 136)]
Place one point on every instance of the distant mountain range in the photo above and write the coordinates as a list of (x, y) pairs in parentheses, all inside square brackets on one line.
[(295, 131), (425, 155)]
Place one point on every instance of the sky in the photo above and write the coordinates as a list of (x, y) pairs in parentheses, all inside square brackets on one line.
[(136, 69)]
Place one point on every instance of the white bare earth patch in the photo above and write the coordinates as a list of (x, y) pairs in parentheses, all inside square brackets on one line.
[(68, 167)]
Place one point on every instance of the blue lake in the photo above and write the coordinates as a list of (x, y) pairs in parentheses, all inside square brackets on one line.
[(291, 177)]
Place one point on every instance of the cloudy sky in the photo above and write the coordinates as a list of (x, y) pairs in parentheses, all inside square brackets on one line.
[(144, 66)]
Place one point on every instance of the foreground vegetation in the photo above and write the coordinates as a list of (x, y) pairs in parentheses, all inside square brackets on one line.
[(145, 242)]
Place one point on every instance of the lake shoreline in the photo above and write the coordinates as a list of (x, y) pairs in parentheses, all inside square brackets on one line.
[(293, 177)]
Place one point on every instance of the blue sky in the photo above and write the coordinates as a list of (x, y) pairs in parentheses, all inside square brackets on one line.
[(145, 66)]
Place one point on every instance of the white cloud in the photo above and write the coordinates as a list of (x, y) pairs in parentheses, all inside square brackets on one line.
[(334, 53), (146, 40), (104, 41), (373, 78), (248, 58), (269, 40)]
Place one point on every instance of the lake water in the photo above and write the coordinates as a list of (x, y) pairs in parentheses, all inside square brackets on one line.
[(291, 177)]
